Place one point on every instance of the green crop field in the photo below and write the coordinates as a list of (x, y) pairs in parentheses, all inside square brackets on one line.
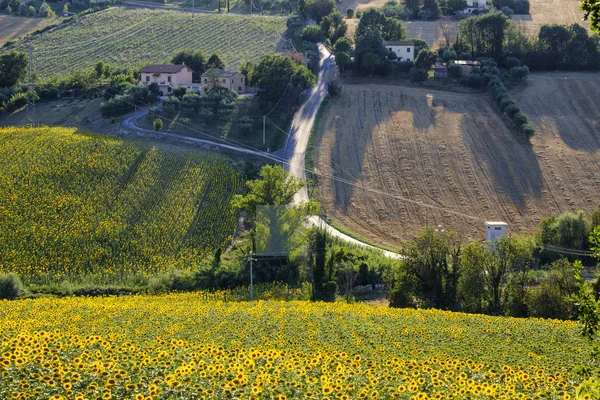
[(134, 38), (81, 206)]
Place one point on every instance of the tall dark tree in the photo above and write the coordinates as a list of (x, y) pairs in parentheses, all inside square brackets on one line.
[(318, 9), (369, 44), (334, 27), (13, 68), (484, 35), (393, 30), (214, 62), (194, 60), (371, 18)]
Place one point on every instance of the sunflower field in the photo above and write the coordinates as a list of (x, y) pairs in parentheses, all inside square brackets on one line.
[(185, 346), (77, 206)]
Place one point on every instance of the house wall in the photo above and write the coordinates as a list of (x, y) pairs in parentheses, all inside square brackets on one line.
[(237, 82), (477, 3), (404, 53), (181, 78)]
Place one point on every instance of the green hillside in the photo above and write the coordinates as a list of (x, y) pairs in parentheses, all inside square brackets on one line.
[(132, 38), (84, 206)]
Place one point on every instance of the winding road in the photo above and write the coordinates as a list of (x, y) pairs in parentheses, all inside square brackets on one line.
[(293, 155)]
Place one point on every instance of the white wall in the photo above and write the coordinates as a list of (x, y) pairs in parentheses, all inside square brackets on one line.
[(404, 53)]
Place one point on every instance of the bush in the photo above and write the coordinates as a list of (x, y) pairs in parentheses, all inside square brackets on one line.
[(511, 110), (454, 71), (312, 34), (512, 62), (507, 11), (465, 56), (476, 81), (157, 124), (358, 14), (519, 73), (522, 7), (31, 11), (16, 101), (350, 13), (46, 11), (528, 130), (404, 66), (505, 102), (335, 88), (520, 119), (11, 287), (418, 74)]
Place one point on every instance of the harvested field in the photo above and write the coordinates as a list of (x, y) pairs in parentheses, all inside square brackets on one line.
[(414, 156), (542, 12), (14, 27)]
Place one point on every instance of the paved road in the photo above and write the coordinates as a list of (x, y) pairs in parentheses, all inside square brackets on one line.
[(294, 151), (293, 155)]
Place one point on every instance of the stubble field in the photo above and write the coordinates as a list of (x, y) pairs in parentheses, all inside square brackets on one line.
[(411, 157), (12, 27)]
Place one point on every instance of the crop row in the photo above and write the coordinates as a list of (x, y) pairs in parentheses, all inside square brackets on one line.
[(131, 38), (104, 209)]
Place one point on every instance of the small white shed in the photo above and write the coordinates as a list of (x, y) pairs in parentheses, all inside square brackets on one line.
[(494, 230)]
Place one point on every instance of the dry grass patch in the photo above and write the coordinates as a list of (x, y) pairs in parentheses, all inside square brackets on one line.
[(12, 27)]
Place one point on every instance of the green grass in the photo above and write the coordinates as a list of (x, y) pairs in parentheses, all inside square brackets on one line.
[(89, 208), (210, 128), (133, 38)]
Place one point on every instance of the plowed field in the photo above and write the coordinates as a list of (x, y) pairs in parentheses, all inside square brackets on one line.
[(408, 157)]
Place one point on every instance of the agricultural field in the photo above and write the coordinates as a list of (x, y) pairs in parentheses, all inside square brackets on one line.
[(184, 346), (409, 157), (14, 27), (133, 38), (84, 207), (542, 13)]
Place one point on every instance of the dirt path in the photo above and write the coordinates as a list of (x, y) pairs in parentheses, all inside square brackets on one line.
[(415, 157)]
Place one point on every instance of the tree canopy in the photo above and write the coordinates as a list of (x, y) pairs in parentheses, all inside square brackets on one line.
[(273, 74), (194, 60), (13, 68), (318, 9), (592, 11), (484, 35)]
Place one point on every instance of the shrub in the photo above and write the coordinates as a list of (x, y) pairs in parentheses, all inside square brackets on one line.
[(528, 130), (512, 62), (350, 13), (520, 119), (465, 56), (475, 81), (511, 110), (22, 10), (507, 11), (519, 73), (16, 101), (46, 11), (11, 286), (335, 88), (418, 74), (313, 34), (157, 124), (358, 14), (522, 7), (404, 66), (505, 102), (501, 92), (454, 71)]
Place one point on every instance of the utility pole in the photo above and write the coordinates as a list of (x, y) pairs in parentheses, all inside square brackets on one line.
[(264, 129), (228, 6), (30, 89), (251, 280)]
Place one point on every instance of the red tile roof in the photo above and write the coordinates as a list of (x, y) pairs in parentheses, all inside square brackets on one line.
[(164, 68)]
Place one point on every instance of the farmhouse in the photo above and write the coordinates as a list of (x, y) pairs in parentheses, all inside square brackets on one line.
[(228, 79), (405, 51), (468, 66), (168, 77)]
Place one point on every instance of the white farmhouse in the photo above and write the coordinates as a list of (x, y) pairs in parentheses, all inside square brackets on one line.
[(405, 51), (168, 77)]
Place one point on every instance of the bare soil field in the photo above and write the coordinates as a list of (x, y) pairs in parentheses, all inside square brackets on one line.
[(408, 156), (429, 31), (12, 27)]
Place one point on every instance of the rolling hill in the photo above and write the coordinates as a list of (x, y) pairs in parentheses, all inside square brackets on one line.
[(82, 206), (135, 37)]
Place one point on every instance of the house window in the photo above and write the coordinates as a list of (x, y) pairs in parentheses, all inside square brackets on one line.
[(408, 49), (239, 88), (475, 4), (223, 80), (147, 78), (169, 78), (242, 80), (497, 228), (205, 89), (169, 89), (205, 80)]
